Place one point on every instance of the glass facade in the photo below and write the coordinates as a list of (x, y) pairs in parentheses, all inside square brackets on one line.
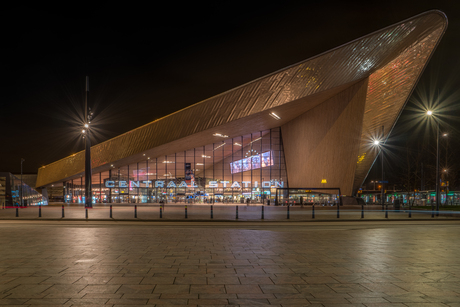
[(10, 192), (232, 170)]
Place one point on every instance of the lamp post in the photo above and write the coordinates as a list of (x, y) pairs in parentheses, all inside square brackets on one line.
[(22, 202), (430, 113), (382, 191), (86, 136)]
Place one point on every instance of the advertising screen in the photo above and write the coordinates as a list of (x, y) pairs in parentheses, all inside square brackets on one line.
[(254, 162)]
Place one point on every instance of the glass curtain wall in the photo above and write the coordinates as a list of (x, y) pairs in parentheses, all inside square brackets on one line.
[(230, 170)]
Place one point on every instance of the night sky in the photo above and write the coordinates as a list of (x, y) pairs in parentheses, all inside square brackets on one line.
[(145, 62)]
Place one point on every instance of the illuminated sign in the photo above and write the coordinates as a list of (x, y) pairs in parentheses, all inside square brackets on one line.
[(253, 162), (183, 184)]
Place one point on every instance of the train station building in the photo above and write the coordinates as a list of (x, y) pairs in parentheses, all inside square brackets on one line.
[(310, 125)]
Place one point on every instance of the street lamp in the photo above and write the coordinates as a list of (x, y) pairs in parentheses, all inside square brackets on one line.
[(430, 113), (378, 143), (22, 202), (86, 136)]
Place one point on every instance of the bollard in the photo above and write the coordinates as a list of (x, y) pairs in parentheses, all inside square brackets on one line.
[(268, 202), (17, 212), (410, 211), (338, 210), (63, 215), (86, 213), (362, 211), (432, 210), (110, 211), (262, 211), (40, 211), (212, 216), (236, 212), (386, 212), (135, 211), (288, 212), (185, 211), (313, 211), (161, 213), (383, 209)]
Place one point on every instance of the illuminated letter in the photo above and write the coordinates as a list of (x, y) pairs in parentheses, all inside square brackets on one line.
[(183, 185), (134, 184), (171, 184), (265, 184), (225, 183), (246, 183), (122, 184), (256, 184), (235, 185), (159, 184), (280, 184), (147, 183), (110, 184), (213, 184)]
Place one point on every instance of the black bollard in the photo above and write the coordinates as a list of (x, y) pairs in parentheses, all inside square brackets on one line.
[(432, 210), (236, 212), (63, 215), (135, 211), (40, 211), (17, 212), (362, 211), (262, 211), (383, 208), (86, 213), (386, 212), (288, 212), (268, 202), (161, 213), (110, 211), (313, 211), (338, 210), (185, 211), (410, 211), (212, 216)]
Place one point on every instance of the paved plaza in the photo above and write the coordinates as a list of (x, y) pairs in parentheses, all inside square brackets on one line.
[(97, 263)]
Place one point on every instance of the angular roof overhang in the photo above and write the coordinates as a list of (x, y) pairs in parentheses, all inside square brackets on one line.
[(392, 58)]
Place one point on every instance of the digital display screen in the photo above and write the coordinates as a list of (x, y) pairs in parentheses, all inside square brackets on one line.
[(254, 162)]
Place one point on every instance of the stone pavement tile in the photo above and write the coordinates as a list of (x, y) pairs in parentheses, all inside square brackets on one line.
[(328, 301), (288, 280), (172, 289), (348, 288), (207, 289), (243, 289), (382, 278), (343, 305), (319, 280), (127, 301), (65, 279), (221, 271), (366, 294), (140, 295), (157, 280), (102, 295), (225, 279), (64, 291), (279, 289), (125, 280), (47, 301), (168, 301), (7, 279), (94, 279), (179, 295), (87, 301), (426, 305), (276, 269), (193, 269), (256, 280), (406, 299), (289, 301), (28, 280), (146, 289), (293, 295), (100, 288), (251, 271), (247, 301), (217, 295), (384, 287), (443, 299), (446, 286), (365, 300), (12, 301), (28, 291), (385, 305), (208, 302), (409, 277), (314, 288), (188, 280), (106, 269), (353, 278)]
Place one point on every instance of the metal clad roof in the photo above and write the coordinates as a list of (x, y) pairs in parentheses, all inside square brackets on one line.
[(365, 57)]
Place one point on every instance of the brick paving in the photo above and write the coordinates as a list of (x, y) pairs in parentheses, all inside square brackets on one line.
[(74, 263)]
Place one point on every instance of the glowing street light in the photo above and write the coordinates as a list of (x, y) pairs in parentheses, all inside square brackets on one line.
[(378, 144), (430, 113)]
